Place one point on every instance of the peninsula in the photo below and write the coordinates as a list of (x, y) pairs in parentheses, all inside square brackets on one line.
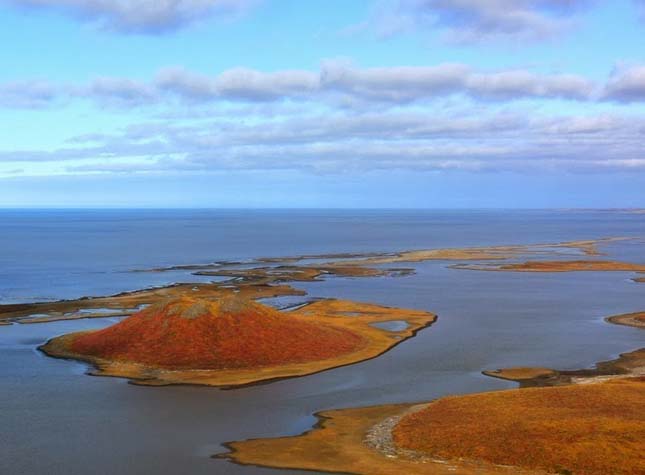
[(585, 422)]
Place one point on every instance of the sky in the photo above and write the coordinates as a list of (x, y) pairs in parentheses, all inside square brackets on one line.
[(322, 103)]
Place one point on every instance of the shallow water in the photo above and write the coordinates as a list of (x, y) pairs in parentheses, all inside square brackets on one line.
[(55, 419), (391, 325)]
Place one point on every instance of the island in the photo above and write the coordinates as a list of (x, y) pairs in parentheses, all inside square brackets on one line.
[(233, 341)]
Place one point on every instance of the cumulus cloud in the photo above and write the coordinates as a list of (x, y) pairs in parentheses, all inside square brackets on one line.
[(254, 85), (140, 16), (393, 83), (239, 84), (417, 83), (27, 94), (626, 84), (186, 83), (481, 20), (120, 92)]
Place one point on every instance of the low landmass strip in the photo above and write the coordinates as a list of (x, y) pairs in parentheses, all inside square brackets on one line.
[(557, 266), (128, 303), (590, 423), (636, 319), (232, 341), (265, 281), (627, 365)]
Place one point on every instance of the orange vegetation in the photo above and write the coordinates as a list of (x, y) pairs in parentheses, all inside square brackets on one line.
[(592, 429), (572, 266), (187, 333), (636, 319)]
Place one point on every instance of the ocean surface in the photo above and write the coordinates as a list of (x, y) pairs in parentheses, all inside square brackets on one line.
[(54, 419)]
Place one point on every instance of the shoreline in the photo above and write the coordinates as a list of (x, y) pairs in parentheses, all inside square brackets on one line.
[(360, 441), (629, 364)]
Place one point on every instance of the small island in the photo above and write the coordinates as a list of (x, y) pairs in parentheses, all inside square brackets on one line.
[(233, 341)]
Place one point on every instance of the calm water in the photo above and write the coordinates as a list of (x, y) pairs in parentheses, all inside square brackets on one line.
[(54, 419)]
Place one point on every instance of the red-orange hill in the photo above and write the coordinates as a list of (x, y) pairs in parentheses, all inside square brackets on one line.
[(230, 333)]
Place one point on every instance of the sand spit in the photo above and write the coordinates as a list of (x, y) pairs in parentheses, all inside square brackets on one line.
[(627, 365), (636, 319)]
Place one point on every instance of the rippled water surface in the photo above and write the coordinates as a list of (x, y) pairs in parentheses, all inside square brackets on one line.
[(54, 419)]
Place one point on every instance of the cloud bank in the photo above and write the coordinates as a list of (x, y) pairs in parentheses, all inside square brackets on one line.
[(337, 82), (470, 140)]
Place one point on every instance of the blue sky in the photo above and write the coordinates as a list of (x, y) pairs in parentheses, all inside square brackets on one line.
[(280, 103)]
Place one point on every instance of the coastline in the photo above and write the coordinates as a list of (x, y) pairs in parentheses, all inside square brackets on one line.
[(630, 364), (360, 441)]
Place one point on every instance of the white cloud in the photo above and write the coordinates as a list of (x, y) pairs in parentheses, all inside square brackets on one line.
[(626, 84), (140, 16), (338, 83), (480, 20), (238, 84), (462, 140), (417, 83), (121, 92), (27, 94)]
